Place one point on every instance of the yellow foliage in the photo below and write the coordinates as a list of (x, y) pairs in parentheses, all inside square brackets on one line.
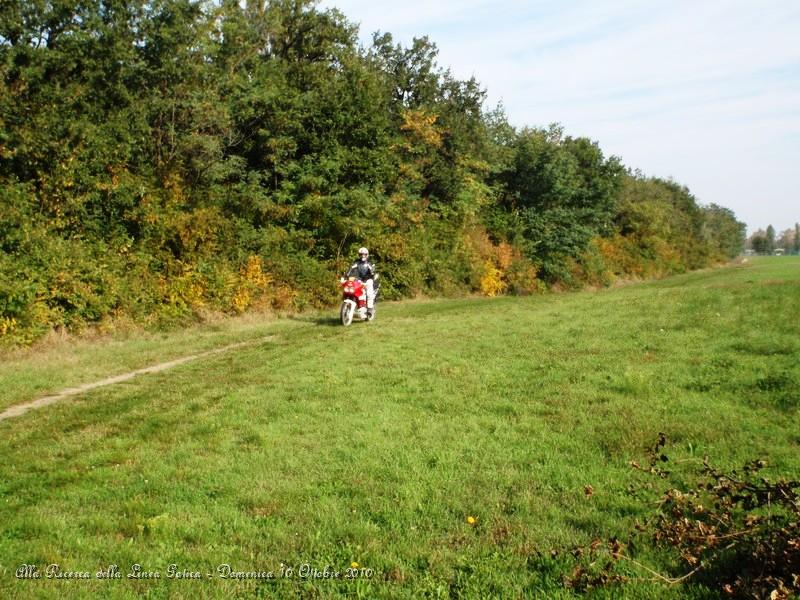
[(253, 284), (198, 230), (253, 272), (409, 171), (500, 268), (479, 243), (186, 290), (492, 283), (241, 300), (173, 184), (422, 126), (7, 325), (648, 256)]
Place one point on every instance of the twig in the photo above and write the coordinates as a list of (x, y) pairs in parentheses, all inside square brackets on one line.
[(723, 536), (664, 578), (339, 249)]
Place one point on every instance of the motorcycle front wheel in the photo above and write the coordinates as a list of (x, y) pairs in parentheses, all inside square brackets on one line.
[(346, 312)]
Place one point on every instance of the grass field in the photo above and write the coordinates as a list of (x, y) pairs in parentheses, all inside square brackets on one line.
[(327, 446)]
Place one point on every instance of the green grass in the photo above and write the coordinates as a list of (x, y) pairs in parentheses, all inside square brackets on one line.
[(58, 363), (325, 445)]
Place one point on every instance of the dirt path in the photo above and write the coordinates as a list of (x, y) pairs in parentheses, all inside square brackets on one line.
[(21, 409)]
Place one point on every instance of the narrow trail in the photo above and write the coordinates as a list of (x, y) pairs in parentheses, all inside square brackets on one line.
[(20, 409)]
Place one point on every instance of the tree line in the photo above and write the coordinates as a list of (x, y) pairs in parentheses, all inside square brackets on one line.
[(160, 159), (768, 242)]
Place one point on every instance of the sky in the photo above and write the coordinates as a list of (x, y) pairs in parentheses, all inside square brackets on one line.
[(706, 92)]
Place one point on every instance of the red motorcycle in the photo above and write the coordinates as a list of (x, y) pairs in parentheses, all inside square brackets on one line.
[(354, 295)]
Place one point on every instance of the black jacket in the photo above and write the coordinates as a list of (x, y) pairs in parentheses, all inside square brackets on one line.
[(362, 269)]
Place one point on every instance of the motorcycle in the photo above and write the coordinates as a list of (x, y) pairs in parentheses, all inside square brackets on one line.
[(354, 295)]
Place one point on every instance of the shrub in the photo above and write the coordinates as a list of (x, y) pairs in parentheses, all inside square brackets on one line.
[(492, 283), (521, 277), (736, 531)]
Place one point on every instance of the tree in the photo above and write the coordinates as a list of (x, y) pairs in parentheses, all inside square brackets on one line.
[(760, 243), (796, 246), (770, 239), (411, 73), (163, 157), (786, 240), (557, 194), (723, 232)]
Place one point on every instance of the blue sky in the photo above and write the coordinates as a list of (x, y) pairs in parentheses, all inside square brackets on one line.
[(705, 92)]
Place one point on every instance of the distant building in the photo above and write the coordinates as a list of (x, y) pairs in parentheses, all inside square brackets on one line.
[(778, 252)]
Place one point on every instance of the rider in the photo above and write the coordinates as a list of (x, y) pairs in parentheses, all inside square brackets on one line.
[(364, 270)]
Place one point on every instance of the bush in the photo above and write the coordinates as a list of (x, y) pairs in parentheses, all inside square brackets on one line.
[(734, 531)]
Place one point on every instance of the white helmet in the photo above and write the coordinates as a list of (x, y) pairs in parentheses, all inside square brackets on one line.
[(363, 252)]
